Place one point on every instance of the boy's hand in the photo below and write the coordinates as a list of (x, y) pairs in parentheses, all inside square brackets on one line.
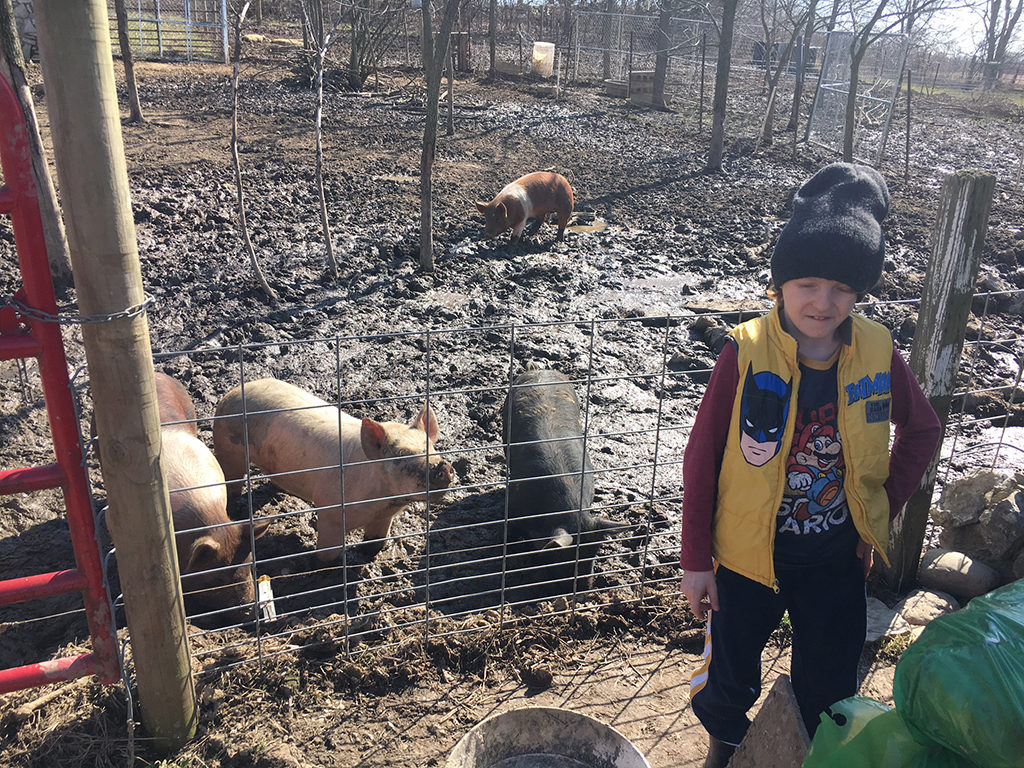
[(866, 553), (698, 585)]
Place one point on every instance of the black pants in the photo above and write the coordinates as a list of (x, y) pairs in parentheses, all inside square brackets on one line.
[(827, 607)]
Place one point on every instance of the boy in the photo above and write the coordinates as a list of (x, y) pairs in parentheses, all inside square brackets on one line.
[(789, 483)]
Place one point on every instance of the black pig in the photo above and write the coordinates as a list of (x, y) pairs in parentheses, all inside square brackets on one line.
[(552, 535)]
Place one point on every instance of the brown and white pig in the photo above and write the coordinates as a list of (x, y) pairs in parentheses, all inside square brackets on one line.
[(534, 195), (296, 438), (213, 550), (177, 411)]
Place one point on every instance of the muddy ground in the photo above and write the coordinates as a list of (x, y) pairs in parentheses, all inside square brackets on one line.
[(669, 240)]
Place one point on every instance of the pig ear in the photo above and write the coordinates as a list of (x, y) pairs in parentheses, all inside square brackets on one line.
[(503, 210), (560, 539), (202, 554), (427, 422), (259, 527), (373, 437), (482, 207)]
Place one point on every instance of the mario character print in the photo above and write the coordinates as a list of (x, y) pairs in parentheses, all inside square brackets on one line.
[(764, 408), (814, 498)]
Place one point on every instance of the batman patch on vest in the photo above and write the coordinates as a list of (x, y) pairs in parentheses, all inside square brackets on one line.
[(876, 411), (764, 409)]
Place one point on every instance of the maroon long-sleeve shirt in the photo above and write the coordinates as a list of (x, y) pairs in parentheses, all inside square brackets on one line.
[(916, 436)]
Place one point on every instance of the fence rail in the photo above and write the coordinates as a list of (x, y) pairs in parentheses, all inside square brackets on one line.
[(188, 30)]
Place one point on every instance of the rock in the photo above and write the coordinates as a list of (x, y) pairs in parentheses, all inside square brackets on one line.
[(1017, 568), (963, 500), (956, 573), (883, 621), (1003, 525), (922, 606), (778, 730), (968, 538)]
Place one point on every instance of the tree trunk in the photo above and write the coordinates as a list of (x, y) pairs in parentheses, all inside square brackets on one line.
[(427, 45), (450, 69), (607, 38), (721, 87), (851, 104), (492, 33), (440, 49), (798, 90), (661, 56), (768, 127), (243, 222), (325, 225), (128, 60), (53, 222)]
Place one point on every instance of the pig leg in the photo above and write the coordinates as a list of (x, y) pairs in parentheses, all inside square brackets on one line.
[(375, 534), (231, 457), (563, 221), (517, 232)]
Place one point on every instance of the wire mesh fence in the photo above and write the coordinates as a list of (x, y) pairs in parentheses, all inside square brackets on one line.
[(469, 561), (878, 82), (188, 30)]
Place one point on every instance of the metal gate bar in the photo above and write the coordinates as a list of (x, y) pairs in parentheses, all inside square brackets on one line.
[(29, 328)]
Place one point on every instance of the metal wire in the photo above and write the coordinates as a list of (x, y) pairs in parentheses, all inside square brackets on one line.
[(454, 561)]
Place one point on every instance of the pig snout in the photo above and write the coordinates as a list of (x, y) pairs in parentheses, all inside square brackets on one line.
[(228, 592), (442, 476)]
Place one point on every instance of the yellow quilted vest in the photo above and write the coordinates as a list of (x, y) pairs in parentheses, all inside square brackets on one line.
[(743, 528)]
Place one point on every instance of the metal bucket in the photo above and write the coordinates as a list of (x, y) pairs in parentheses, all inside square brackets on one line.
[(544, 737)]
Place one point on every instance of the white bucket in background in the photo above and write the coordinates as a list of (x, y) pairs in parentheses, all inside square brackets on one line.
[(544, 59)]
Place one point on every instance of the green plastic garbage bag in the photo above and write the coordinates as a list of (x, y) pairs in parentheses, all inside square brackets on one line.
[(962, 683), (863, 733)]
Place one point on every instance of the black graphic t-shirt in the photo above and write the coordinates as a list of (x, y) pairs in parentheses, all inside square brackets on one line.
[(813, 523)]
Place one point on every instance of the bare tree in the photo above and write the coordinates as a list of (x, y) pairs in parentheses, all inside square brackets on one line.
[(427, 43), (492, 34), (714, 163), (1000, 19), (372, 34), (774, 66), (606, 36), (662, 52), (128, 60), (53, 223), (439, 51), (870, 24), (798, 89), (313, 19), (260, 277)]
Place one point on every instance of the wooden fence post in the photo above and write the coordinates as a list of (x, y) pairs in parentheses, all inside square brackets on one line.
[(939, 339), (74, 41)]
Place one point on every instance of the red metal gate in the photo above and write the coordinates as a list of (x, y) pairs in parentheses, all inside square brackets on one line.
[(29, 328)]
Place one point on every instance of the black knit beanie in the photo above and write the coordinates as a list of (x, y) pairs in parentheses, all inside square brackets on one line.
[(835, 232)]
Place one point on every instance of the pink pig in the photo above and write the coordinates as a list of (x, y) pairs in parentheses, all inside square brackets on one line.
[(296, 439), (213, 555), (532, 196)]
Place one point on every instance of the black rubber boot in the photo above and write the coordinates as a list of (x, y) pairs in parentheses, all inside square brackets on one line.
[(719, 753)]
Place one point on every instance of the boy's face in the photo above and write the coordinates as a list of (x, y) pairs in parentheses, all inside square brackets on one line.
[(815, 308)]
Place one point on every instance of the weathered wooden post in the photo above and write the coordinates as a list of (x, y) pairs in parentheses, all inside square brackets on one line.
[(939, 339), (74, 41)]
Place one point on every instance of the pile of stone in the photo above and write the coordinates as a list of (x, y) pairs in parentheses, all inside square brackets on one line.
[(982, 547), (982, 539)]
